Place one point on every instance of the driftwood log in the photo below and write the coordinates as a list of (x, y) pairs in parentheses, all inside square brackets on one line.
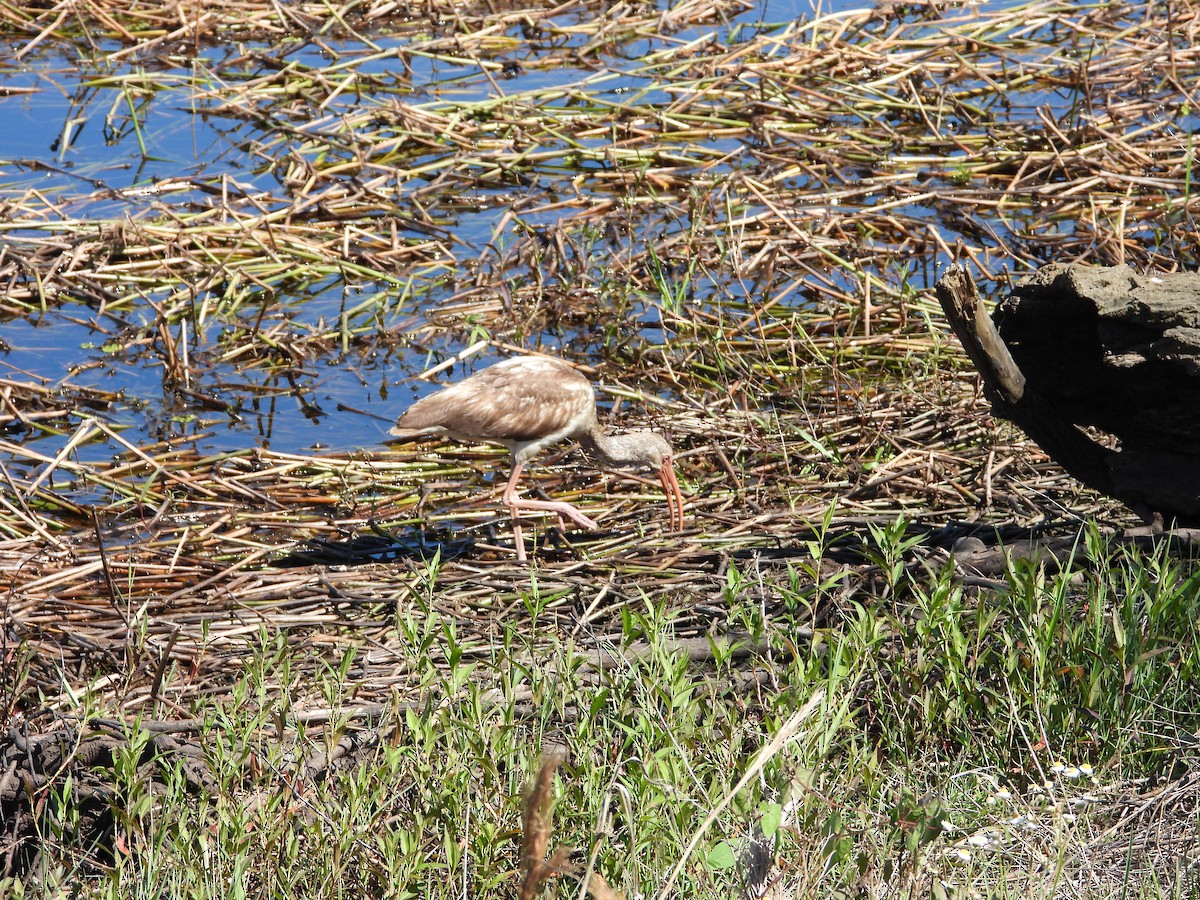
[(1100, 348)]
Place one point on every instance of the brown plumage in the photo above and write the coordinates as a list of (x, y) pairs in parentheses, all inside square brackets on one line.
[(526, 404)]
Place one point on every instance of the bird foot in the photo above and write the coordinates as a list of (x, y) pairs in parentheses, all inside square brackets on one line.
[(557, 507)]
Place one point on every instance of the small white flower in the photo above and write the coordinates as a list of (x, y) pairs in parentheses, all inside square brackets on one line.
[(1086, 770), (979, 840), (1068, 817), (961, 855), (1072, 772), (948, 826), (1003, 794), (1057, 767)]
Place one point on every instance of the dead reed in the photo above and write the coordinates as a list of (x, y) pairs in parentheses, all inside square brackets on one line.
[(734, 225), (769, 197)]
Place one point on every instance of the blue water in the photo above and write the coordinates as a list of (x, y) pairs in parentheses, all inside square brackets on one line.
[(101, 142)]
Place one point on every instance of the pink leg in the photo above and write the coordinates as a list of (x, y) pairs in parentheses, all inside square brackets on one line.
[(559, 508), (518, 538)]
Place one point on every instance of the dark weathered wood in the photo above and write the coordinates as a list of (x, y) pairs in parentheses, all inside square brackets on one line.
[(1112, 349), (960, 299), (1073, 450), (1090, 346)]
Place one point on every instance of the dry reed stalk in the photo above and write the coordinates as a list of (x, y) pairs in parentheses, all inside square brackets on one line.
[(798, 181), (199, 567), (537, 825)]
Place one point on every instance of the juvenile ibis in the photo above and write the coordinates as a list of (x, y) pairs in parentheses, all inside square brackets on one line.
[(526, 404)]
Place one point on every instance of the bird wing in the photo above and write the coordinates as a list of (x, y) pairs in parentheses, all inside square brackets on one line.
[(529, 399)]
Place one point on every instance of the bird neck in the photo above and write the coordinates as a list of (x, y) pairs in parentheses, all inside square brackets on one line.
[(617, 450)]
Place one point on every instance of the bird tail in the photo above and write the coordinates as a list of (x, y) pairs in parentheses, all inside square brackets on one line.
[(407, 434)]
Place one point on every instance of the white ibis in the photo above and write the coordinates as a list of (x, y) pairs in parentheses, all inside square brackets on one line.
[(526, 404)]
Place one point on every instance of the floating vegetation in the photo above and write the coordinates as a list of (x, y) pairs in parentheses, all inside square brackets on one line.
[(253, 232)]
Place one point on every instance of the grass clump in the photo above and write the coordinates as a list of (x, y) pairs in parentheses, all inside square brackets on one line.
[(888, 727)]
